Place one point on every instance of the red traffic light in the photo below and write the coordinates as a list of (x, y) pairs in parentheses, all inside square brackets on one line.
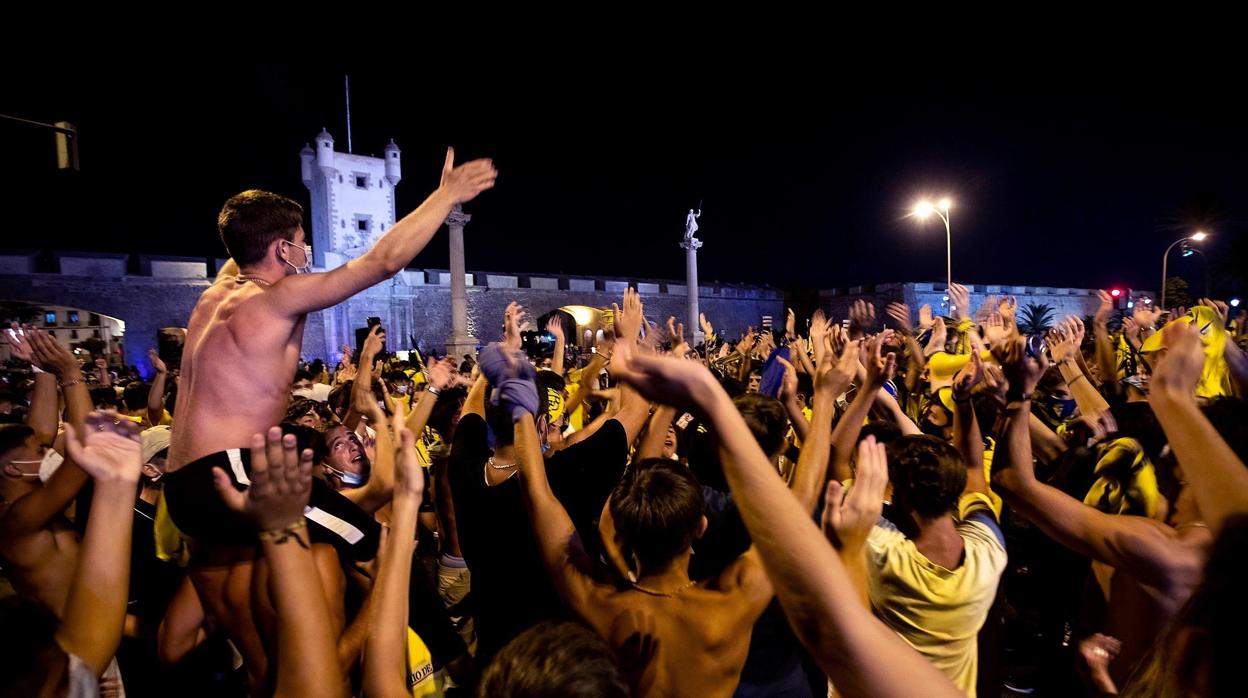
[(1116, 292)]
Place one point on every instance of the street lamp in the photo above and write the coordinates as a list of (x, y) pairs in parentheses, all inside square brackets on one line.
[(1198, 236), (941, 208)]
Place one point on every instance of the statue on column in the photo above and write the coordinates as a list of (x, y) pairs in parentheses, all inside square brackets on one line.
[(691, 224)]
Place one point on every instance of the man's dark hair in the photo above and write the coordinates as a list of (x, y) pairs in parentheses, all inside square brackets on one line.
[(449, 403), (554, 658), (767, 420), (657, 507), (135, 396), (301, 375), (307, 438), (250, 222), (13, 436), (104, 396), (928, 475)]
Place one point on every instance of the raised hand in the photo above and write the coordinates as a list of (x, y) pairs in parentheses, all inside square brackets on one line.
[(1008, 308), (939, 336), (663, 379), (441, 374), (19, 346), (925, 317), (790, 326), (995, 383), (1222, 310), (1179, 370), (281, 481), (861, 318), (1105, 310), (372, 344), (834, 377), (788, 386), (555, 326), (971, 375), (707, 328), (995, 331), (157, 363), (880, 367), (1021, 370), (53, 357), (513, 324), (960, 299), (1146, 316), (108, 449), (464, 182), (1063, 342), (900, 315), (848, 518), (628, 318)]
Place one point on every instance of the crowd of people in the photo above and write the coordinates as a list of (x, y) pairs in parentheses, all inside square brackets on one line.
[(903, 504)]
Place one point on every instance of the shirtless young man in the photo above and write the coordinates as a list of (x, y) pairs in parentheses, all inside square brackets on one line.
[(683, 638), (242, 347)]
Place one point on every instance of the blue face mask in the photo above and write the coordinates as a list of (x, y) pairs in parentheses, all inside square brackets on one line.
[(1062, 409), (350, 480)]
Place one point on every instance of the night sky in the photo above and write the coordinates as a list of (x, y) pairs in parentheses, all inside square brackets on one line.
[(1078, 175)]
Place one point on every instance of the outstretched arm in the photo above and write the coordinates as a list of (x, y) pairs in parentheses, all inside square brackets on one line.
[(296, 295)]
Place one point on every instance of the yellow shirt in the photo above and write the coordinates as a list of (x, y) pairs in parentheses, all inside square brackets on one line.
[(939, 611)]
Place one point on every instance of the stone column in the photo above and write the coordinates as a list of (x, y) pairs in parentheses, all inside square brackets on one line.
[(460, 342), (691, 245)]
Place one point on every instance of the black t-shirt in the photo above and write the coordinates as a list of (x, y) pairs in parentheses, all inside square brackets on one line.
[(510, 587)]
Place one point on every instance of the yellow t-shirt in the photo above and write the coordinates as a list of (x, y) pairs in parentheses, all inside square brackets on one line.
[(420, 678), (939, 611)]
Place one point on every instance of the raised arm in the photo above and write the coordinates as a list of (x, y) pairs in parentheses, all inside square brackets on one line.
[(385, 657), (296, 295), (860, 654), (156, 396), (1142, 546), (555, 327), (845, 437), (966, 435), (1217, 474), (95, 610), (281, 481), (812, 463), (34, 511), (1064, 341)]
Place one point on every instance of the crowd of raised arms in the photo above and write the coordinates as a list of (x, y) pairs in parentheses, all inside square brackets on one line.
[(897, 503)]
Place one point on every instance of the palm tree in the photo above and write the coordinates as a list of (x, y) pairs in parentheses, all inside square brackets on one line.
[(1035, 318)]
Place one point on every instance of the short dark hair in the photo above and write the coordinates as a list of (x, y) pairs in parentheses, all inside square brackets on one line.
[(103, 395), (554, 658), (301, 375), (307, 438), (657, 507), (250, 222), (13, 436), (767, 420), (928, 475), (135, 395)]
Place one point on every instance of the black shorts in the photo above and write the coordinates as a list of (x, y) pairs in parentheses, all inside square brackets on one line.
[(199, 513)]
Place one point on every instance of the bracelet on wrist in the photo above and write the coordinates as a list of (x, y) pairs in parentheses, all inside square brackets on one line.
[(65, 384), (279, 533)]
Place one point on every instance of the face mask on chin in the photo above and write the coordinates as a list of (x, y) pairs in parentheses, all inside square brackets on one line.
[(47, 465), (349, 480)]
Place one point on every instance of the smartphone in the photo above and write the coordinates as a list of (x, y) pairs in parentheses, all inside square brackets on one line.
[(361, 334)]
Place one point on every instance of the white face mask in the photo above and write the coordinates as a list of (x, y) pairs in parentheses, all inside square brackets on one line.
[(47, 465), (307, 258), (348, 479), (401, 390)]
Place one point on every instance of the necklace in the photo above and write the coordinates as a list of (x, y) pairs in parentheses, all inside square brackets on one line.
[(490, 462), (653, 592), (242, 278)]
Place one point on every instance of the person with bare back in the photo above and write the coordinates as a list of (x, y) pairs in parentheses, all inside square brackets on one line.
[(242, 346)]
